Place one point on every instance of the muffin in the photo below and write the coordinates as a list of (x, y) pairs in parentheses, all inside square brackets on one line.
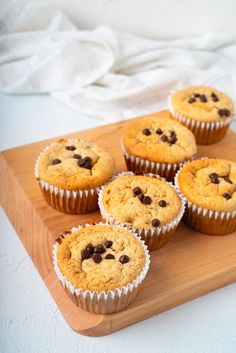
[(147, 204), (157, 144), (206, 111), (101, 266), (209, 188), (70, 172)]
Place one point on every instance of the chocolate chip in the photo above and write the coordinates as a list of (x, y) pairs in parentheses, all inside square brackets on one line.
[(196, 95), (108, 244), (164, 138), (213, 175), (227, 196), (191, 100), (227, 179), (203, 98), (137, 190), (85, 254), (162, 203), (141, 197), (155, 222), (147, 200), (173, 139), (221, 112), (56, 161), (85, 162), (99, 249), (215, 180), (77, 156), (87, 159), (88, 165), (224, 112), (80, 162), (227, 112), (159, 131), (214, 97), (124, 259), (97, 258), (146, 132), (109, 257), (70, 148), (90, 248)]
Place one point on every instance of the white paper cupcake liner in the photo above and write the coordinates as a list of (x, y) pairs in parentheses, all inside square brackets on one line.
[(205, 220), (67, 201), (153, 238), (206, 133), (139, 166), (104, 302)]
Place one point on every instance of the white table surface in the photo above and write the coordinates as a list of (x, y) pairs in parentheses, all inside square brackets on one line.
[(29, 319), (152, 18)]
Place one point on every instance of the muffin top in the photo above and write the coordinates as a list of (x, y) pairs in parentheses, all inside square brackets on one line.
[(202, 103), (159, 138), (141, 201), (210, 183), (101, 257), (75, 164)]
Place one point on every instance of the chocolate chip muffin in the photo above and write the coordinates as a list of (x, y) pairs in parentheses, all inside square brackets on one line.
[(209, 187), (157, 144), (206, 111), (69, 173), (99, 259), (147, 204)]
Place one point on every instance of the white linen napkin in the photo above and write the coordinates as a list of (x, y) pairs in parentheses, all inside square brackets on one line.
[(106, 74)]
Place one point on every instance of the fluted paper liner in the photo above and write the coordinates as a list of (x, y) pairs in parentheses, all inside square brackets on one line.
[(67, 201), (154, 238), (206, 133), (105, 302), (206, 220), (139, 165)]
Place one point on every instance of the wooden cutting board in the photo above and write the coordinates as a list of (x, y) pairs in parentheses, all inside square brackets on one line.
[(190, 265)]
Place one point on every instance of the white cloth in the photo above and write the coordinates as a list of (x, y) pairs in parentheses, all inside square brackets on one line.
[(105, 74)]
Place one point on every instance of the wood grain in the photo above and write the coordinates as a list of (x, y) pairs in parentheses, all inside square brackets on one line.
[(191, 265)]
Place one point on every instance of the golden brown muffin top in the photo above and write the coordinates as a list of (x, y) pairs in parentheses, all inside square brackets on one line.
[(141, 201), (159, 138), (101, 258), (210, 183), (75, 165), (202, 103)]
